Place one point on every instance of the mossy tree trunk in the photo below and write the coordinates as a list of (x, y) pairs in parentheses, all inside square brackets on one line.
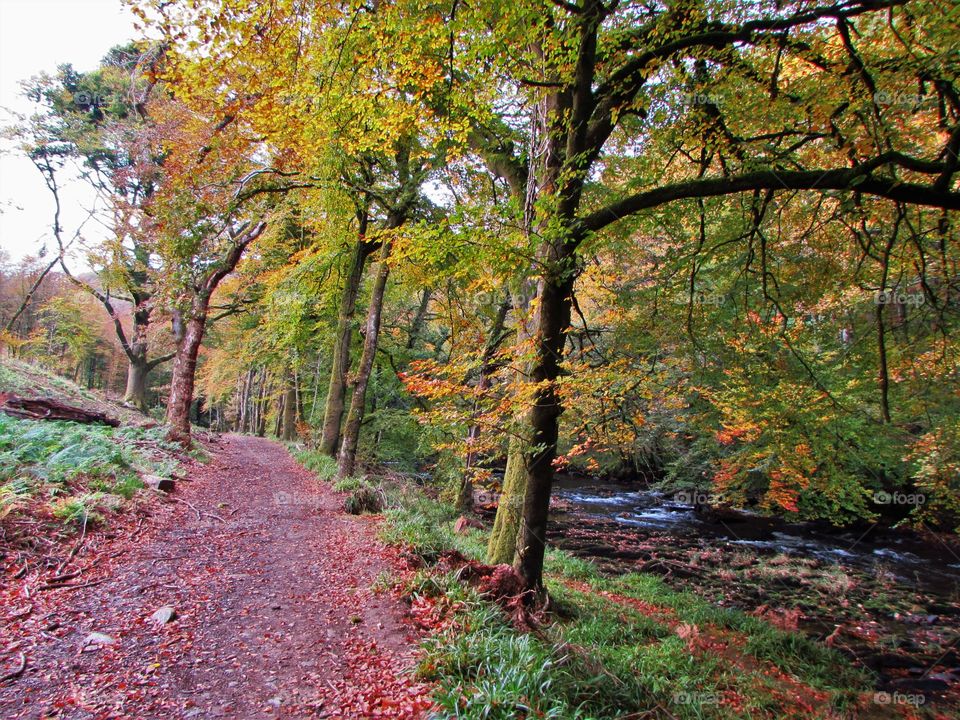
[(347, 457), (337, 388)]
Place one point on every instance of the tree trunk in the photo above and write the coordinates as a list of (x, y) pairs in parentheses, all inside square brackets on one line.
[(502, 546), (263, 403), (543, 423), (487, 366), (883, 373), (190, 337), (136, 393), (337, 390), (416, 327), (136, 350), (290, 410), (184, 377), (243, 409), (351, 431)]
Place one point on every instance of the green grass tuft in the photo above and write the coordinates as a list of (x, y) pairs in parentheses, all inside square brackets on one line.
[(323, 465)]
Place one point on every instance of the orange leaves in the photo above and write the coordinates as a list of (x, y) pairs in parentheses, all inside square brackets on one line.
[(784, 490), (730, 435)]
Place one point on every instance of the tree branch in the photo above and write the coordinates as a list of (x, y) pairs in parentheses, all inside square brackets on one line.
[(856, 178)]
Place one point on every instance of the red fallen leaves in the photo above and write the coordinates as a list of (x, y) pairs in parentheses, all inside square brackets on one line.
[(374, 685), (496, 582), (257, 605), (782, 618), (426, 615), (499, 583)]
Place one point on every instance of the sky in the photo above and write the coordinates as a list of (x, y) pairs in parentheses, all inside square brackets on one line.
[(36, 36)]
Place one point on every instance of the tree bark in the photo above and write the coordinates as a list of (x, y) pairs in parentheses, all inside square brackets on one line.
[(136, 393), (346, 459), (263, 403), (337, 390), (502, 545), (290, 410), (137, 366), (183, 379), (190, 337), (416, 327), (544, 422), (487, 366)]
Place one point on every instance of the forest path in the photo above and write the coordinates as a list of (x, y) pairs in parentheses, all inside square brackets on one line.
[(275, 615)]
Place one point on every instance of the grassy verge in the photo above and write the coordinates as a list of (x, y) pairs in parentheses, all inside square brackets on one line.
[(69, 471), (613, 647)]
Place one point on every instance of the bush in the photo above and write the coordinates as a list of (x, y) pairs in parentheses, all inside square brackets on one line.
[(78, 509), (364, 499), (598, 656), (349, 484)]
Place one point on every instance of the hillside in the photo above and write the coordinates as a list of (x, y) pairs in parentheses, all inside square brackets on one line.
[(58, 479), (30, 380)]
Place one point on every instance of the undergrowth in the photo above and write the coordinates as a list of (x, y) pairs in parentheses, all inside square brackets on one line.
[(363, 496), (75, 470), (323, 465), (601, 657)]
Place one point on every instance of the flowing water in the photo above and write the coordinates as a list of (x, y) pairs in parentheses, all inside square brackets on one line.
[(929, 562)]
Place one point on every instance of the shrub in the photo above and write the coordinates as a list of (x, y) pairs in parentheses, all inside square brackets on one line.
[(349, 484), (364, 499), (77, 508)]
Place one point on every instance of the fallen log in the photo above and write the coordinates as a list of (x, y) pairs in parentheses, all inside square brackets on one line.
[(50, 409)]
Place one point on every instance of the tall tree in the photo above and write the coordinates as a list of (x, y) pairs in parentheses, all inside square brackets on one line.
[(595, 71), (99, 119)]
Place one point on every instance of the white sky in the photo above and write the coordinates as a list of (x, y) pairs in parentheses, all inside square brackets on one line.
[(36, 36)]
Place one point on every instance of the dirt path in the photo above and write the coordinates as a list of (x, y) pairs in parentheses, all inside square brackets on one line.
[(275, 612)]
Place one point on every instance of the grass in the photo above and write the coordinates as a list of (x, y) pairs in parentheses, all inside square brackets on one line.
[(323, 465), (363, 495), (19, 377), (605, 653), (349, 484), (74, 470)]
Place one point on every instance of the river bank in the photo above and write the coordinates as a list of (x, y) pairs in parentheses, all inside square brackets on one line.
[(888, 600)]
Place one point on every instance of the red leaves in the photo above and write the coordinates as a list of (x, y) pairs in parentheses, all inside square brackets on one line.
[(374, 685)]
